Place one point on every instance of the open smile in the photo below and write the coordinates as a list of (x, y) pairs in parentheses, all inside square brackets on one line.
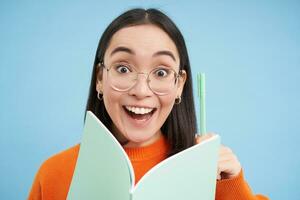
[(139, 114)]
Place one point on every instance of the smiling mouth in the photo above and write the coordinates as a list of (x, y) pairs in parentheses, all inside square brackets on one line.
[(137, 113)]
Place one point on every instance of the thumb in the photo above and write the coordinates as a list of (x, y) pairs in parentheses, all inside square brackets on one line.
[(201, 138)]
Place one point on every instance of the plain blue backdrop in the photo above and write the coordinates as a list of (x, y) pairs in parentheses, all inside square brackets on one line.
[(249, 50)]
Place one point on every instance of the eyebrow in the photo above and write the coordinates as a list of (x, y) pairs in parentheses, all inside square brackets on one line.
[(127, 50)]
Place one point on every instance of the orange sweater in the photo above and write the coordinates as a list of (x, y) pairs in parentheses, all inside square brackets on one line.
[(53, 179)]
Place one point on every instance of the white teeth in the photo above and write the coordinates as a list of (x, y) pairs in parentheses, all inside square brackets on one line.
[(138, 110)]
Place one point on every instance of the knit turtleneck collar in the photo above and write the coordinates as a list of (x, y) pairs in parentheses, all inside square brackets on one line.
[(158, 148)]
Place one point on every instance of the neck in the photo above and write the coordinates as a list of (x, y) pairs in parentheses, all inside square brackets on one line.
[(132, 144)]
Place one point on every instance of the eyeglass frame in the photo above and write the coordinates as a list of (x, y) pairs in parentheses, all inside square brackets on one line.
[(177, 76)]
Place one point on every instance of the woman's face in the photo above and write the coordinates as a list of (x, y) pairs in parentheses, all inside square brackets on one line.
[(141, 47)]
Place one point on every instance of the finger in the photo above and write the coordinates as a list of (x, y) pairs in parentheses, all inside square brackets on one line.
[(201, 138), (227, 157), (225, 150), (229, 167)]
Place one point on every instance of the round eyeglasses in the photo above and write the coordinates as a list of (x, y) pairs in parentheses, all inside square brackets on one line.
[(161, 80)]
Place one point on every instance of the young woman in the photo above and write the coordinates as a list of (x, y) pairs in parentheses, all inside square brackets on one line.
[(141, 89)]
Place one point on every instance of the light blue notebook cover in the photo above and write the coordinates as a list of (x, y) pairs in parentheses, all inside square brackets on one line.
[(104, 171)]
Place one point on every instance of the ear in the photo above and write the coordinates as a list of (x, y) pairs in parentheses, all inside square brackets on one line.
[(99, 85), (181, 81)]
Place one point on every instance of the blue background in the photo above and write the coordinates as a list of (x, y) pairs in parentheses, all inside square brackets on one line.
[(249, 50)]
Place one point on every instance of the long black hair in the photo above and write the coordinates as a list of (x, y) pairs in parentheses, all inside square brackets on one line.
[(180, 126)]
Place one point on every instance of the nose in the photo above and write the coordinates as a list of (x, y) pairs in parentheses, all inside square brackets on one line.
[(141, 88)]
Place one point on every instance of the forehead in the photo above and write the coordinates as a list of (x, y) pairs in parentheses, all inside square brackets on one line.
[(143, 39)]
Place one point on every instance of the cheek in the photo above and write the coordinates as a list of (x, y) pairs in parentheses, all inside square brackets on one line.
[(111, 101), (110, 97), (167, 103)]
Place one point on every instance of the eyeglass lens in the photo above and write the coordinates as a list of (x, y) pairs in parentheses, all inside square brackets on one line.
[(161, 80)]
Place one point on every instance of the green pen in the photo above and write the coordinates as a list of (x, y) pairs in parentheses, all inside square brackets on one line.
[(201, 95)]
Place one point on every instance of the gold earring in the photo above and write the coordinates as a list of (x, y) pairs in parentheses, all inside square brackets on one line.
[(178, 100)]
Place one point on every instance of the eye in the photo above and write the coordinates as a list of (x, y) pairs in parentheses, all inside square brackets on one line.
[(161, 73), (122, 69)]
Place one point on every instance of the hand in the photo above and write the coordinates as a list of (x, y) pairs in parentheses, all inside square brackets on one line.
[(228, 164)]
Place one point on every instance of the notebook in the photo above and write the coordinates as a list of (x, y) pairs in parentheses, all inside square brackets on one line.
[(104, 172)]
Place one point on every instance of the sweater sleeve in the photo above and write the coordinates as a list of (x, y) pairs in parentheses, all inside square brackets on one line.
[(35, 192), (236, 189)]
